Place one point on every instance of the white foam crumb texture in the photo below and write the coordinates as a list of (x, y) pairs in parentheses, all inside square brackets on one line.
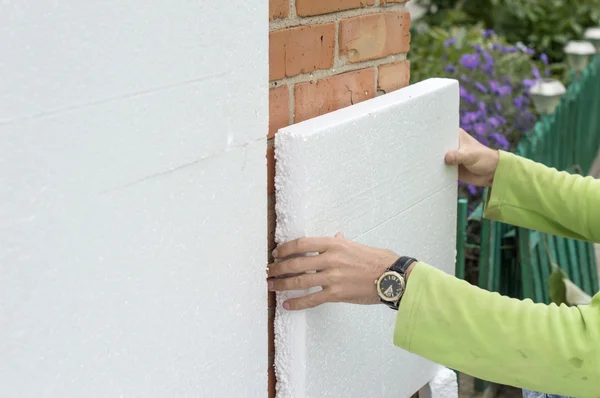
[(443, 385), (376, 172)]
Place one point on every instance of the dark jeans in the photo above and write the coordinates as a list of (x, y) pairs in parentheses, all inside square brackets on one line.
[(533, 394)]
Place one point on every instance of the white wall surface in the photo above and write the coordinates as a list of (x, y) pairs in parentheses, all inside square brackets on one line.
[(374, 171), (133, 198)]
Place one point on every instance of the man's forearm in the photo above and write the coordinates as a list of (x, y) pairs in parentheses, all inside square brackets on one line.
[(500, 339)]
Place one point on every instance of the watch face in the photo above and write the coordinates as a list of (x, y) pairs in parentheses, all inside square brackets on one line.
[(390, 286)]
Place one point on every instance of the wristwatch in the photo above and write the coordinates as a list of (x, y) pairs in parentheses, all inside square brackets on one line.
[(392, 283)]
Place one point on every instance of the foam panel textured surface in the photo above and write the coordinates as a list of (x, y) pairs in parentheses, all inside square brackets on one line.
[(130, 263), (376, 172)]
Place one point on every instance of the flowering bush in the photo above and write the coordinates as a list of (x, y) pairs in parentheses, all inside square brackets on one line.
[(495, 79)]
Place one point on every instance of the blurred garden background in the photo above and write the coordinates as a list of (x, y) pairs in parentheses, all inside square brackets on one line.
[(530, 84)]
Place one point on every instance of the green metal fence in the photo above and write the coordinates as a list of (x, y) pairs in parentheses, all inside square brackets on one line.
[(516, 261)]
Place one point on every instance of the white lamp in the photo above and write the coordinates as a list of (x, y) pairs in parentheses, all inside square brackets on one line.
[(593, 36), (546, 94), (579, 53)]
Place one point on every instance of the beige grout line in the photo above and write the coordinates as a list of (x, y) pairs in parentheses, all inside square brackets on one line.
[(343, 68), (337, 61), (293, 20)]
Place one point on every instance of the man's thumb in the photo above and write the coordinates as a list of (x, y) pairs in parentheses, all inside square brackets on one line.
[(456, 157)]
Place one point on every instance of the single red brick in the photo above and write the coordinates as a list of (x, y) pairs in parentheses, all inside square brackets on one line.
[(301, 50), (393, 76), (374, 36), (306, 8), (279, 109), (270, 169), (278, 9), (332, 93)]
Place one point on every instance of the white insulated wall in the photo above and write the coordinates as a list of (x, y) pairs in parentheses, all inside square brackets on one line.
[(374, 171), (132, 198)]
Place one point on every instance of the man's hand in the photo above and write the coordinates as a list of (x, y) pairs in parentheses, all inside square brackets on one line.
[(476, 162), (344, 269)]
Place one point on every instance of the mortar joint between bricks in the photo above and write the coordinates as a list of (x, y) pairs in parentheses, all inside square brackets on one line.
[(338, 61), (336, 70), (294, 21)]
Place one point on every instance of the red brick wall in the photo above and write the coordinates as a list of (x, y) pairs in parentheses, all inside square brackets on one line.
[(325, 55)]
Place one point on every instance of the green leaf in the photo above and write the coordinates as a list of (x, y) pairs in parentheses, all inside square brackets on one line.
[(556, 287)]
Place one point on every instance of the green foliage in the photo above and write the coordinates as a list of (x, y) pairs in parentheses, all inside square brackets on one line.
[(556, 287), (545, 25), (430, 55)]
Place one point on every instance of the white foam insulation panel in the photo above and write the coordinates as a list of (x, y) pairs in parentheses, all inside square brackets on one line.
[(133, 206), (376, 172)]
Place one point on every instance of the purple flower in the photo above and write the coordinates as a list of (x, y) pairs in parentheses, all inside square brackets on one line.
[(520, 102), (449, 42), (464, 94), (529, 83), (489, 60), (469, 117), (481, 106), (488, 33), (470, 61), (536, 73), (478, 48), (494, 122), (505, 90), (498, 106), (528, 51), (494, 86), (472, 190), (480, 128), (450, 69), (544, 59), (500, 140), (481, 87)]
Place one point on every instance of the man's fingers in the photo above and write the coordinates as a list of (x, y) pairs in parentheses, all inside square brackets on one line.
[(303, 245), (308, 301), (298, 282), (297, 265)]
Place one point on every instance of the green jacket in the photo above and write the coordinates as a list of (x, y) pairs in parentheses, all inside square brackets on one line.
[(549, 348)]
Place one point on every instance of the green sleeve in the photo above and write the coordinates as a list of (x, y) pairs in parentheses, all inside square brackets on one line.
[(531, 195), (496, 338)]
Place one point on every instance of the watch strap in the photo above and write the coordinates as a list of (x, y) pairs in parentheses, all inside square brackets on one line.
[(400, 266)]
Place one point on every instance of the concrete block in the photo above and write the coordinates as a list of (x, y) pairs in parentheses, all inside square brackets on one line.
[(376, 172)]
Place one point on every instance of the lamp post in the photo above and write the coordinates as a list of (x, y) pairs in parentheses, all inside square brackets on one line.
[(578, 54), (593, 36), (546, 94)]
